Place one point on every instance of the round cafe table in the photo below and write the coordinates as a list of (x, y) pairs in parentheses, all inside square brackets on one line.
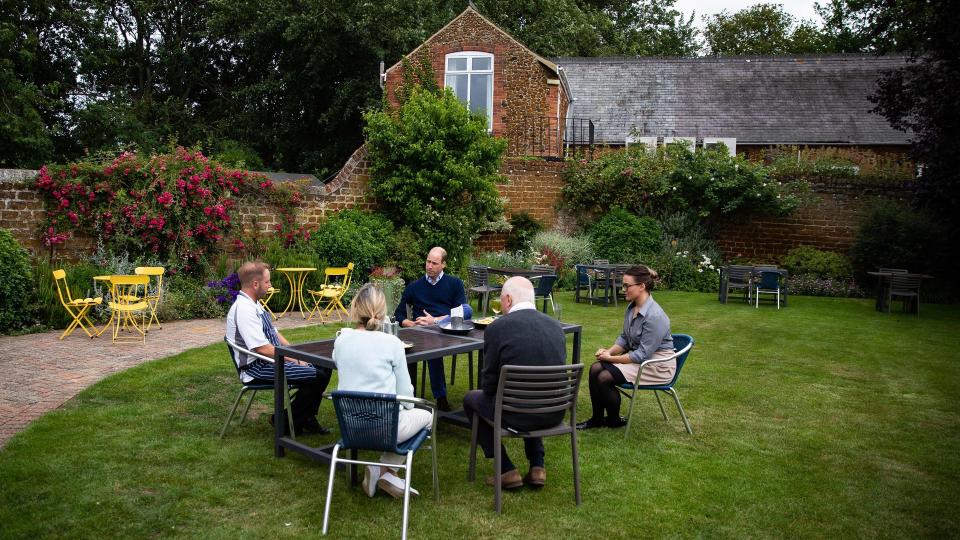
[(295, 277)]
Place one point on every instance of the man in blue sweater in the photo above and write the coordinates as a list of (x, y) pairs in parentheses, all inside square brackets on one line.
[(432, 297)]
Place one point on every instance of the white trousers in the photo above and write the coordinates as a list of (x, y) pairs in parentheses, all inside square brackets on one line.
[(410, 422)]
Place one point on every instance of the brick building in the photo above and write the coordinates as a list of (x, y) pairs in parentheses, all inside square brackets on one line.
[(522, 93)]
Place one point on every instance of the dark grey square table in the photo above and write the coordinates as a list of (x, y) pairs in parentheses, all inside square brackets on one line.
[(428, 343)]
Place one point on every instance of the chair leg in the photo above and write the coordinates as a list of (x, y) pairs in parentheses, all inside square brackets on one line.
[(497, 466), (676, 398), (333, 471), (633, 401), (232, 411), (407, 480), (433, 452), (472, 464), (576, 465), (247, 408), (660, 403), (470, 369)]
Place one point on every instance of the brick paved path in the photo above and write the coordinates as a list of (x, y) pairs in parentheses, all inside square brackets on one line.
[(40, 372)]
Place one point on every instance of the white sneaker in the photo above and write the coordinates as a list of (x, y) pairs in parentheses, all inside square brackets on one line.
[(371, 475), (393, 485)]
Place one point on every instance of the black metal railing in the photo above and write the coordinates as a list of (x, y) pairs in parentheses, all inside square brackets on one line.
[(552, 138)]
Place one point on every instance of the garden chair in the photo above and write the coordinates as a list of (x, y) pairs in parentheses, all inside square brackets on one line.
[(768, 282), (531, 390), (336, 283), (245, 387), (154, 292), (584, 281), (543, 288), (266, 300), (77, 308), (905, 287), (737, 277), (480, 284), (368, 421), (127, 303), (682, 344)]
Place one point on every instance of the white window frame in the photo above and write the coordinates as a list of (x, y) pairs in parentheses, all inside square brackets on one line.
[(470, 55)]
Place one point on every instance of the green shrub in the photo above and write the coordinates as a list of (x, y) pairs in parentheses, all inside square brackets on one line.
[(813, 285), (354, 236), (434, 169), (503, 259), (408, 253), (522, 230), (893, 236), (708, 184), (562, 252), (16, 284), (622, 237), (819, 263), (187, 297), (684, 271)]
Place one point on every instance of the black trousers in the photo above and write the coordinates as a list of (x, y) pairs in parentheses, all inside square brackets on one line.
[(476, 402)]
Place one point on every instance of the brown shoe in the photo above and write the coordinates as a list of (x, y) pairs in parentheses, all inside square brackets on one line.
[(536, 478), (508, 480)]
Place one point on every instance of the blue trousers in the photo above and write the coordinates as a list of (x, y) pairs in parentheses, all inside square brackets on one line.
[(438, 383)]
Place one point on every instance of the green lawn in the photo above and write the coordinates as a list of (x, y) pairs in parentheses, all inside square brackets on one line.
[(823, 419)]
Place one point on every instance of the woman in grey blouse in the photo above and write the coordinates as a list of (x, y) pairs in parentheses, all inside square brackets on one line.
[(646, 335)]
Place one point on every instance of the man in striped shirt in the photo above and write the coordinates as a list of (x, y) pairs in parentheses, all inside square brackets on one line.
[(249, 327)]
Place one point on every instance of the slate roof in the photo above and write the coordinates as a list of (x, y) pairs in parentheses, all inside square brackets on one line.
[(758, 100)]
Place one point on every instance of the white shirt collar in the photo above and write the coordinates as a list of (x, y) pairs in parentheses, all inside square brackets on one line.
[(522, 305), (434, 281)]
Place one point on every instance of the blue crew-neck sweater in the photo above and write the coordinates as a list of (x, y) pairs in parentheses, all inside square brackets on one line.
[(437, 299)]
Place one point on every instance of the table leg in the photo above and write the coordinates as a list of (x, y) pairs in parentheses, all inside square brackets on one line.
[(576, 347), (301, 279), (279, 415), (292, 296)]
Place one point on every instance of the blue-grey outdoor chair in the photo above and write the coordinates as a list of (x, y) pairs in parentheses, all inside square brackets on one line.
[(368, 421), (543, 288), (682, 344), (768, 282)]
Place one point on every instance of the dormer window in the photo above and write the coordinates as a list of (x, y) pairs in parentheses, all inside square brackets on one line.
[(470, 76)]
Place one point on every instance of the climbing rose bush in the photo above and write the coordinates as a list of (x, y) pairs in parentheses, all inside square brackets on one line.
[(178, 206)]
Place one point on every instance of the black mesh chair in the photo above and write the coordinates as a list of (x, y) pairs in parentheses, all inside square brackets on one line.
[(531, 390), (368, 421), (543, 288)]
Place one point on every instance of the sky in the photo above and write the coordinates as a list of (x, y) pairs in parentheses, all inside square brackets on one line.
[(800, 9)]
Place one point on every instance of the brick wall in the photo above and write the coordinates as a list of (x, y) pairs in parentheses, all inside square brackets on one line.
[(522, 87), (533, 186), (830, 223)]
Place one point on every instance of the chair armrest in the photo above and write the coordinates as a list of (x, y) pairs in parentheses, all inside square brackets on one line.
[(418, 402), (667, 359), (251, 353)]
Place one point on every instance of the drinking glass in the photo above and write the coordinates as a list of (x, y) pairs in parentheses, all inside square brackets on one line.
[(495, 306)]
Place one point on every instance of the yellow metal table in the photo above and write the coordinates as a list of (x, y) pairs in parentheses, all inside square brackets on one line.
[(295, 277)]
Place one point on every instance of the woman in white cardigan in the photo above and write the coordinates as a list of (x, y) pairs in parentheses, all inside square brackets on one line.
[(372, 361)]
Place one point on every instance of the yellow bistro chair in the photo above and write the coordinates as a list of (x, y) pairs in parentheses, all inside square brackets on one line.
[(266, 300), (336, 283), (154, 292), (76, 308), (128, 302)]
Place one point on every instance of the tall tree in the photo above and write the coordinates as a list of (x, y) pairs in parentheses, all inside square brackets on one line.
[(761, 29), (923, 97), (39, 47)]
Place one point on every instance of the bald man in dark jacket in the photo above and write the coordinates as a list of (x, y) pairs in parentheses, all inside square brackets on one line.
[(522, 337)]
